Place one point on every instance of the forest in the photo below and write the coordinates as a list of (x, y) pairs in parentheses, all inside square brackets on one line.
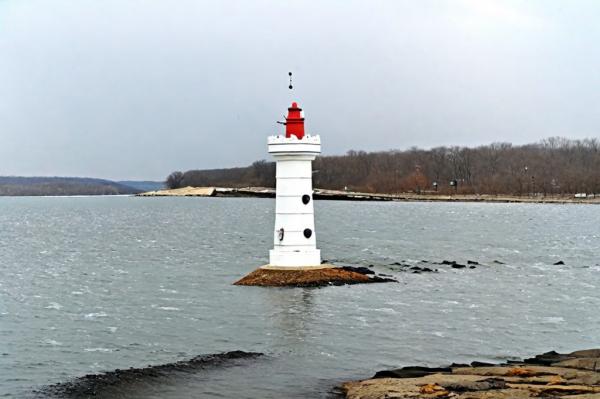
[(552, 166), (36, 186)]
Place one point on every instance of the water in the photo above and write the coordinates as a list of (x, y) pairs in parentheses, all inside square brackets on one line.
[(94, 284)]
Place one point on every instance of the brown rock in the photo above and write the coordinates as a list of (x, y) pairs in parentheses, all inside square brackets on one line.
[(586, 353), (560, 390), (520, 371), (574, 378), (582, 363), (308, 277), (548, 358), (412, 372), (432, 386), (434, 390), (481, 385)]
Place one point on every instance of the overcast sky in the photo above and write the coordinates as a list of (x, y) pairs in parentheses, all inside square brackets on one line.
[(136, 89)]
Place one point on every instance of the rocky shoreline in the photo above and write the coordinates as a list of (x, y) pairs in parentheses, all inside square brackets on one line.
[(323, 194), (550, 375), (573, 375)]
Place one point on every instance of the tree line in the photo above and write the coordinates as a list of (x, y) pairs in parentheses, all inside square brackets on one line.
[(552, 166), (35, 186)]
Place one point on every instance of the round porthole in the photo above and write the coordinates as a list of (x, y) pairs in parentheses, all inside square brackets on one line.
[(305, 199), (307, 233)]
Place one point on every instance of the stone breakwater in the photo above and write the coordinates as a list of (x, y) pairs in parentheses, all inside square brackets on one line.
[(574, 375), (116, 383)]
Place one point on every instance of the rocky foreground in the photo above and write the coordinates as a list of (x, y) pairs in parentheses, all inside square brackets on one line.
[(550, 375)]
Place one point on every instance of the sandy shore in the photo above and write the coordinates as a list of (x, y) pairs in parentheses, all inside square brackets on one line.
[(321, 194)]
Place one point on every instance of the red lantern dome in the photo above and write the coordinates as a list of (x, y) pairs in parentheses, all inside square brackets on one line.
[(294, 122)]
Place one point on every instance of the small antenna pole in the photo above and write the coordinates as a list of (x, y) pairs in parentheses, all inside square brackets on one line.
[(290, 86)]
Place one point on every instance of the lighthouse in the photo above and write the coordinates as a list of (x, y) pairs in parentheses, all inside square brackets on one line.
[(295, 260), (294, 237)]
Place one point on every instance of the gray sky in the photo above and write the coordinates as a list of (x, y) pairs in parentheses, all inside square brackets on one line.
[(136, 89)]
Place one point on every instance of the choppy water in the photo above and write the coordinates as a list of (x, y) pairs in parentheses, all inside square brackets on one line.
[(93, 284)]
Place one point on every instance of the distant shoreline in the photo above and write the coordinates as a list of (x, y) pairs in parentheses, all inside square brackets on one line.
[(321, 194)]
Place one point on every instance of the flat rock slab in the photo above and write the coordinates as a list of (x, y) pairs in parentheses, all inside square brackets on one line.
[(550, 375), (309, 277)]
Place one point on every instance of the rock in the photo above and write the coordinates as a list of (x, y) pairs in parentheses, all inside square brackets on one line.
[(454, 264), (482, 385), (560, 262), (102, 384), (586, 353), (562, 390), (359, 269), (520, 372), (546, 359), (428, 387), (582, 363), (481, 364), (411, 372), (498, 262), (472, 262), (321, 277), (377, 279), (488, 381), (471, 267), (434, 390)]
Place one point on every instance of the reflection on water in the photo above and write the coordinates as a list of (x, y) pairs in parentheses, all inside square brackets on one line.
[(94, 284), (293, 312)]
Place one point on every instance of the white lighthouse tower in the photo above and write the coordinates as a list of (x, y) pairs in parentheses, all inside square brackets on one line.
[(295, 244)]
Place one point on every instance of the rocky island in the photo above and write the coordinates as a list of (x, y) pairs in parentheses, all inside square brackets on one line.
[(321, 276)]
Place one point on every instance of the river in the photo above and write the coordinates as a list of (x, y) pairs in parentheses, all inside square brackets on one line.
[(92, 284)]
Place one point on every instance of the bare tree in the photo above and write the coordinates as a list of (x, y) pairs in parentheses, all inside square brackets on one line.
[(174, 180), (553, 166)]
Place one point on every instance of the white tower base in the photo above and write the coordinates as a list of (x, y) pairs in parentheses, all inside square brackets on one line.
[(295, 244), (295, 259)]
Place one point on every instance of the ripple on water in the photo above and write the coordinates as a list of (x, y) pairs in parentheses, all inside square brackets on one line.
[(93, 316)]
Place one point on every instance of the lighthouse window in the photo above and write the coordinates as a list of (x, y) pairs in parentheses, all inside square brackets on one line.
[(307, 233), (305, 199)]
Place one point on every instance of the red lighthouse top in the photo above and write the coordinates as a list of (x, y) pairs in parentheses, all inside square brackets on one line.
[(294, 122)]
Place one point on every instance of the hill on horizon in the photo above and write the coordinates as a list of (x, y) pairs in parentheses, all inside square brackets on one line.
[(50, 186), (144, 185)]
